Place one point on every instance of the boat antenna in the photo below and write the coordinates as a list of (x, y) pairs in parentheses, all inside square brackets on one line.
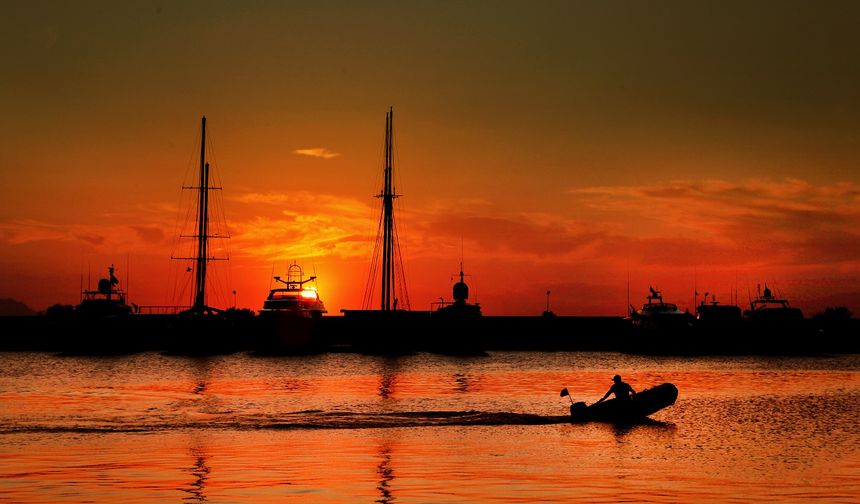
[(314, 268), (695, 286), (547, 300), (628, 285), (127, 268), (81, 291)]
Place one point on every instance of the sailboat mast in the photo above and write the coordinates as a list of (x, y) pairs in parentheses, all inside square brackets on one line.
[(388, 217), (202, 225)]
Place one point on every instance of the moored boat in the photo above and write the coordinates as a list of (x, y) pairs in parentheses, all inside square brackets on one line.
[(291, 316), (394, 328), (106, 300), (766, 306), (454, 328), (659, 315)]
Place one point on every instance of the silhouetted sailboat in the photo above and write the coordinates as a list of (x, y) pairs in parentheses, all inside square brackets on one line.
[(381, 330), (202, 234), (201, 329)]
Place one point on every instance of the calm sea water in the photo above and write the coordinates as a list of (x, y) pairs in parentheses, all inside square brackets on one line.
[(423, 428)]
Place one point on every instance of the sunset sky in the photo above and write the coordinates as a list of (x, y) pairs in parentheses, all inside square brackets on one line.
[(559, 144)]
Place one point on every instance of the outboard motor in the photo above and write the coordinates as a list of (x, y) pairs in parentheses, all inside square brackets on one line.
[(578, 409)]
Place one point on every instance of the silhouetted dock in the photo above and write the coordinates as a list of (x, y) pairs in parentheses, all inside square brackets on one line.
[(418, 332)]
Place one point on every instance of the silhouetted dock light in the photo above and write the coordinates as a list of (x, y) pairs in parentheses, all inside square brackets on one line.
[(547, 312), (234, 299)]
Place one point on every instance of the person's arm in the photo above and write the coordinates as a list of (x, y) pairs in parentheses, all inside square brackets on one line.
[(605, 396), (632, 392)]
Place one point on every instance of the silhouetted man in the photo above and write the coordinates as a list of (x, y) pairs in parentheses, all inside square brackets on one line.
[(621, 390)]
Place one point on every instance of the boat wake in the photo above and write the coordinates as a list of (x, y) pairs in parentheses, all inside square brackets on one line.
[(349, 420), (307, 420)]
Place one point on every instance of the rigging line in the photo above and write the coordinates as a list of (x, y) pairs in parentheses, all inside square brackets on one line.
[(272, 275), (369, 286), (397, 228), (174, 277), (400, 263), (314, 268)]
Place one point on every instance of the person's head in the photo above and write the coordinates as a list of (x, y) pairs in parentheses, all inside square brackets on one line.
[(616, 378)]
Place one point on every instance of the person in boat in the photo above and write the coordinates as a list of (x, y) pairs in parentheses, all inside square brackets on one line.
[(621, 390)]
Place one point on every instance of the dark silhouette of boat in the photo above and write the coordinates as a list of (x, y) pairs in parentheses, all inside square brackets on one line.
[(658, 315), (106, 300), (103, 323), (393, 328), (201, 329), (773, 326), (456, 327), (718, 328), (713, 313), (291, 315), (767, 307), (658, 327), (460, 308), (632, 410)]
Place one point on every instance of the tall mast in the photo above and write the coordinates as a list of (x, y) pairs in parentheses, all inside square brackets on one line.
[(202, 226), (202, 256), (388, 217)]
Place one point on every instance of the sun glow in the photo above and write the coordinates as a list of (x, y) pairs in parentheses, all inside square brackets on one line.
[(309, 294)]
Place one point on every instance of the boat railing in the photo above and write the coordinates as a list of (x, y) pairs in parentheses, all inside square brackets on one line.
[(437, 305), (162, 309)]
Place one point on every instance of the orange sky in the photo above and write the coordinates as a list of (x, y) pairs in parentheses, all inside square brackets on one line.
[(703, 145)]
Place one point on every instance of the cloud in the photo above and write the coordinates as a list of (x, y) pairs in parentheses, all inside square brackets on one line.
[(265, 198), (152, 234), (754, 222), (317, 152), (535, 235), (307, 225), (109, 236)]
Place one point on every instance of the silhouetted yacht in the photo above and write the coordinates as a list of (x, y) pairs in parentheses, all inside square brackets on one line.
[(454, 328), (459, 308), (657, 314), (291, 315), (774, 327), (768, 307), (713, 312), (102, 323), (107, 300)]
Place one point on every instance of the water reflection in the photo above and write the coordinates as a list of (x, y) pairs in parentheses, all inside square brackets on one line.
[(388, 378), (200, 473), (202, 374), (461, 382), (385, 473), (654, 427)]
